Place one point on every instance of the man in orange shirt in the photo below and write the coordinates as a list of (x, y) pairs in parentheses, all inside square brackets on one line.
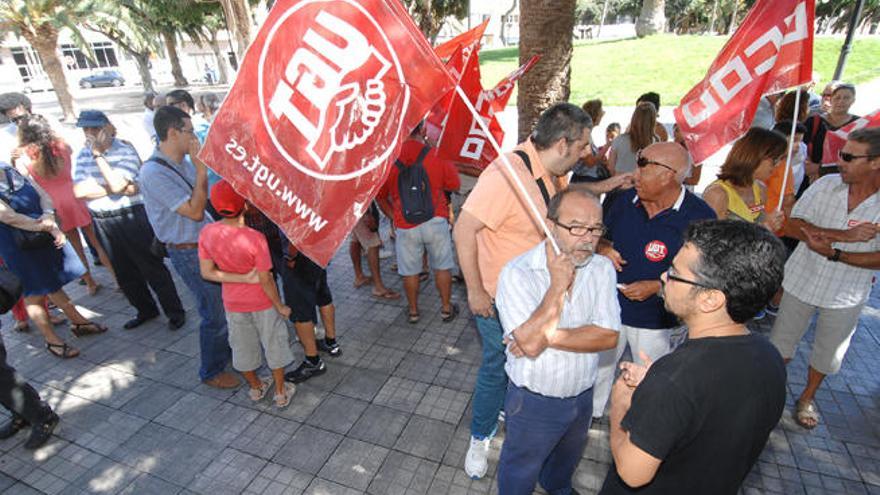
[(495, 226)]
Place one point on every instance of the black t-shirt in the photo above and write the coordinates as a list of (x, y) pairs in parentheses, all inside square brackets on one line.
[(706, 410)]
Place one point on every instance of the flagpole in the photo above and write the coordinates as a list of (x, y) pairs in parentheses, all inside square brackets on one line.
[(519, 185), (794, 122)]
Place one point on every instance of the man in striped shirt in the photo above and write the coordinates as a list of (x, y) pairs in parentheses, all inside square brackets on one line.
[(557, 312)]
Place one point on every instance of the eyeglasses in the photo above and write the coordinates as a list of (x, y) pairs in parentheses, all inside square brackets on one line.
[(18, 118), (671, 276), (581, 230), (643, 162), (848, 157)]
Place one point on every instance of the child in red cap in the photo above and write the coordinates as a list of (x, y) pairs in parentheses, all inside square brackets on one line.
[(238, 257)]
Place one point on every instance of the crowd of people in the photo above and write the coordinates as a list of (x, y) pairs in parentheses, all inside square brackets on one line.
[(624, 254)]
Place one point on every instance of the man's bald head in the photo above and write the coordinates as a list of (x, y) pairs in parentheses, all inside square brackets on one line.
[(671, 154)]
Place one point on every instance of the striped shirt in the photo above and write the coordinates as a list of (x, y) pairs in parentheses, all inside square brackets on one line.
[(811, 277), (592, 300), (124, 160)]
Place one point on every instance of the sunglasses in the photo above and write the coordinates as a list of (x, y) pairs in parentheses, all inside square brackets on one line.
[(581, 230), (848, 157), (643, 162)]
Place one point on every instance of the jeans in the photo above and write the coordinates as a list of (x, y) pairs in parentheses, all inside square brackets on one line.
[(544, 441), (213, 334), (491, 379)]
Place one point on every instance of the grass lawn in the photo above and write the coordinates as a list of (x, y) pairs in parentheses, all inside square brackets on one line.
[(619, 71)]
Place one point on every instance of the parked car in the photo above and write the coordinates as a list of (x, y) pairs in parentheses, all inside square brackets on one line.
[(37, 83), (103, 78)]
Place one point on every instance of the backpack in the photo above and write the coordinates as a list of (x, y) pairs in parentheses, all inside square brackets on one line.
[(415, 190)]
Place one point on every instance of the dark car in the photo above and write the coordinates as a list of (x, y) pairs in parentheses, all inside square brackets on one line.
[(103, 78)]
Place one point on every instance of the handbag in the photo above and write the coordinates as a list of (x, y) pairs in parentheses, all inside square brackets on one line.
[(26, 240), (10, 290)]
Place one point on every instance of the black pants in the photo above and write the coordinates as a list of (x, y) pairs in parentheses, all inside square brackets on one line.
[(126, 236), (18, 396)]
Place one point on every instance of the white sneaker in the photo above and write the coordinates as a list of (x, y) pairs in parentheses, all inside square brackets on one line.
[(475, 462)]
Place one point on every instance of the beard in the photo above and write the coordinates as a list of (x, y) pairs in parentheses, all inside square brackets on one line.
[(582, 254)]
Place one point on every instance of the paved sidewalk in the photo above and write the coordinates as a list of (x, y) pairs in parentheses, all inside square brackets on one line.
[(390, 416)]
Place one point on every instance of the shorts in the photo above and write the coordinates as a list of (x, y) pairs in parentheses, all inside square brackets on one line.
[(834, 330), (305, 287), (251, 334), (432, 236), (366, 237)]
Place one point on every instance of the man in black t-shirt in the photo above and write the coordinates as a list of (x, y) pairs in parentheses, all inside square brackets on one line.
[(696, 420)]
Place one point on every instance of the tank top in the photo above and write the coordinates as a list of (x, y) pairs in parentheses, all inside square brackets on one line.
[(737, 208)]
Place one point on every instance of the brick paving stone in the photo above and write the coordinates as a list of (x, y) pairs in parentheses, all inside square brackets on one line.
[(189, 412), (170, 454), (105, 477), (401, 394), (443, 403), (403, 474), (225, 423), (589, 476), (150, 485), (308, 449), (436, 344), (354, 464), (381, 358), (454, 481), (402, 338), (276, 479), (361, 384), (153, 400), (379, 425), (230, 473), (425, 437), (265, 435), (319, 486), (457, 375), (337, 413), (22, 489), (418, 367)]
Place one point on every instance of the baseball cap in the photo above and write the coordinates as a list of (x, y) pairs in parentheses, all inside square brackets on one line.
[(225, 200), (92, 118)]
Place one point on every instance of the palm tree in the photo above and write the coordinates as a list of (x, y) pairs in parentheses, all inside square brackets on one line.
[(545, 28), (124, 26), (652, 19), (239, 23), (39, 22)]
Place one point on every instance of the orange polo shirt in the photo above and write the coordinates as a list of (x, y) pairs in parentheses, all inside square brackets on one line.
[(511, 228)]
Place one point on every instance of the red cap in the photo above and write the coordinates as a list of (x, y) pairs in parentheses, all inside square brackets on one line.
[(225, 200)]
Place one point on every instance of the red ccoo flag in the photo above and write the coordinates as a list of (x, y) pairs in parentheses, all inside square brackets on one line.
[(470, 40), (772, 50), (323, 99), (834, 140)]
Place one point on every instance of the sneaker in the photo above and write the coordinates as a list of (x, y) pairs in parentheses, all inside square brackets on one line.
[(772, 309), (13, 426), (41, 433), (760, 316), (501, 416), (332, 349), (257, 394), (282, 400), (475, 462), (305, 371)]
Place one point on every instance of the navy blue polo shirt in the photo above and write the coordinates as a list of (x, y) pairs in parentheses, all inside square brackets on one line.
[(648, 245)]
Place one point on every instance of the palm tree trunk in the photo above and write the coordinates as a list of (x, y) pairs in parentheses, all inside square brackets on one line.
[(652, 19), (732, 26), (602, 20), (143, 64), (176, 70), (238, 20), (221, 60), (545, 28), (46, 44)]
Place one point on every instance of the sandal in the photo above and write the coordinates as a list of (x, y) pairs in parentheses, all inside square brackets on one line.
[(413, 318), (450, 315), (66, 351), (282, 400), (22, 326), (257, 394), (389, 295), (94, 290), (362, 282), (80, 329), (806, 415)]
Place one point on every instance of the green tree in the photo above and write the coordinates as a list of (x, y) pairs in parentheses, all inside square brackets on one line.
[(430, 14), (39, 22)]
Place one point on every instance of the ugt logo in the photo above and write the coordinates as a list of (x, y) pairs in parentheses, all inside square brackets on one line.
[(330, 81)]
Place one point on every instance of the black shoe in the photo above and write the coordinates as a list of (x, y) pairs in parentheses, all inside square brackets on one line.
[(305, 371), (15, 425), (41, 433), (332, 349), (175, 322), (137, 321)]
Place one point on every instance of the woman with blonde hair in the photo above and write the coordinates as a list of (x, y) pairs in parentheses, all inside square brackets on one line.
[(47, 159), (640, 134)]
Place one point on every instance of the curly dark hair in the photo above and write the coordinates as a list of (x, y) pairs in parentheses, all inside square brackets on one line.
[(35, 130), (743, 260), (8, 101)]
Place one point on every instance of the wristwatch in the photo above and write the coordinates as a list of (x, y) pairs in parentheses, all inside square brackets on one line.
[(97, 155), (836, 255)]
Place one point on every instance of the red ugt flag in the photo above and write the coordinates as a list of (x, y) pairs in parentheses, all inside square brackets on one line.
[(834, 140), (772, 50), (469, 40), (323, 99)]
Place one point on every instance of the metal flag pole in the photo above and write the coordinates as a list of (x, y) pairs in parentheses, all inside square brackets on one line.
[(791, 143), (519, 185)]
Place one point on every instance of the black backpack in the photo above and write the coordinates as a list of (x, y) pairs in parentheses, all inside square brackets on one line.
[(415, 190)]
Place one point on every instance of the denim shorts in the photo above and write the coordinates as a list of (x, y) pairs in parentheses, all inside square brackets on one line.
[(432, 236)]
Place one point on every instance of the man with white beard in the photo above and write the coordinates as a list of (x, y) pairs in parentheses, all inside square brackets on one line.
[(557, 312)]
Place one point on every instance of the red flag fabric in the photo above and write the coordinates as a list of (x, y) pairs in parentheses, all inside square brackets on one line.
[(324, 97), (437, 116), (468, 39), (834, 140), (502, 91), (771, 50)]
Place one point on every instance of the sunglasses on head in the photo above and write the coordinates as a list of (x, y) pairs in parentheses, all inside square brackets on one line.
[(848, 157)]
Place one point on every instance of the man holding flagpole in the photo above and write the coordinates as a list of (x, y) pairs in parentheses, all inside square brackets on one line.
[(496, 224)]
